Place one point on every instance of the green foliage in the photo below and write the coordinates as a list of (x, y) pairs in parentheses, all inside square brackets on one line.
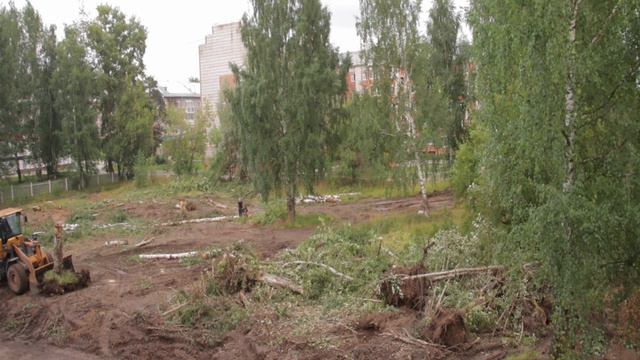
[(141, 173), (227, 163), (65, 278), (562, 191), (185, 142), (74, 79), (285, 95), (466, 170), (127, 114), (118, 216), (216, 316), (272, 211), (186, 184)]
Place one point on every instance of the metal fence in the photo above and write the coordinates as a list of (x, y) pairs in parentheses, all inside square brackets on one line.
[(12, 193)]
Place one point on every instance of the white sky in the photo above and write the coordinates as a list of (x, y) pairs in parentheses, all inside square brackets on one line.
[(176, 28)]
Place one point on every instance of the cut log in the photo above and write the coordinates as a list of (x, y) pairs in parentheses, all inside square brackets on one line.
[(198, 221), (143, 243), (277, 281), (169, 256), (116, 242), (329, 268)]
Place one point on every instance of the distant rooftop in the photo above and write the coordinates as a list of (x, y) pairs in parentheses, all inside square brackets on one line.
[(180, 89)]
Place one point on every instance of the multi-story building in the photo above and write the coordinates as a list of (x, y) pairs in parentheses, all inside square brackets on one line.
[(221, 48), (187, 100)]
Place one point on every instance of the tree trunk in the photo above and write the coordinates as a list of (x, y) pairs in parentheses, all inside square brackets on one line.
[(570, 105), (422, 180), (291, 207), (57, 249), (18, 168), (413, 134)]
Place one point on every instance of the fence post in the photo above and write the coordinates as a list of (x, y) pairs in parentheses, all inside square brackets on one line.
[(66, 184), (13, 196), (49, 186), (31, 188)]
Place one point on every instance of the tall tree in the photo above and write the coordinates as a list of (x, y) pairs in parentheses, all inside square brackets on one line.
[(10, 126), (558, 85), (117, 49), (75, 82), (389, 32), (448, 60), (49, 142), (285, 94)]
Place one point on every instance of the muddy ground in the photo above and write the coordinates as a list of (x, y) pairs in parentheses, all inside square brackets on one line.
[(120, 314)]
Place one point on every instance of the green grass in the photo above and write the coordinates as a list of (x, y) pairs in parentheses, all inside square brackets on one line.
[(275, 213), (65, 278), (399, 231)]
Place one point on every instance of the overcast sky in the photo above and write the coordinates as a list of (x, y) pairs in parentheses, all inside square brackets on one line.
[(176, 28)]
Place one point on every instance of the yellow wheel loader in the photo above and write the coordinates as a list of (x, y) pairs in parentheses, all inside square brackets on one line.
[(22, 261)]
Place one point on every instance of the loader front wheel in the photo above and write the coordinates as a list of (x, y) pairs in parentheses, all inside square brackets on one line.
[(17, 279)]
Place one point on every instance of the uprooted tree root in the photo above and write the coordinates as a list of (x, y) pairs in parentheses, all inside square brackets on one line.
[(233, 274), (447, 328), (396, 291), (238, 273), (67, 281)]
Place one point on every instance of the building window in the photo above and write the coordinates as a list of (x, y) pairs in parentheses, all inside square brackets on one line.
[(353, 77), (190, 111)]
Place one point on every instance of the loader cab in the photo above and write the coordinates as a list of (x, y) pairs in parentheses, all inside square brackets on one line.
[(10, 226)]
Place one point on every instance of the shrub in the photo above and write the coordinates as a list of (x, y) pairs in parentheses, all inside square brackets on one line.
[(141, 171)]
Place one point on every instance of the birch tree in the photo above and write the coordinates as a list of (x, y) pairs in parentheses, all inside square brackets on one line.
[(285, 94), (391, 42), (558, 86)]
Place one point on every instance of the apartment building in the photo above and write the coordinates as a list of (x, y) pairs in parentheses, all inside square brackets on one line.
[(185, 98), (222, 47)]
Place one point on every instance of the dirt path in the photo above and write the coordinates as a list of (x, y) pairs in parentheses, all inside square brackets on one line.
[(29, 351), (118, 315)]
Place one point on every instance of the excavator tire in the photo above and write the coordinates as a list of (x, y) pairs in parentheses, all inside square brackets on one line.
[(17, 279)]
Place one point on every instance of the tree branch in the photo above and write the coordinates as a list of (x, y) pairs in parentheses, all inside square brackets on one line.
[(596, 39)]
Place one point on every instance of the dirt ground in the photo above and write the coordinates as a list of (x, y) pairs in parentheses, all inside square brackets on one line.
[(120, 314)]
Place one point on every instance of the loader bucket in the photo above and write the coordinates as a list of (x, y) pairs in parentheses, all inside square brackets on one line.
[(38, 273)]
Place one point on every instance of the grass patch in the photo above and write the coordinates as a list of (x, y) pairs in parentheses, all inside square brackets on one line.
[(275, 212), (192, 261), (65, 278), (118, 216), (400, 231)]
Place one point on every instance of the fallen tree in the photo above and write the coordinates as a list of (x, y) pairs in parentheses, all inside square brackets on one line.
[(407, 287), (169, 256), (199, 221)]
